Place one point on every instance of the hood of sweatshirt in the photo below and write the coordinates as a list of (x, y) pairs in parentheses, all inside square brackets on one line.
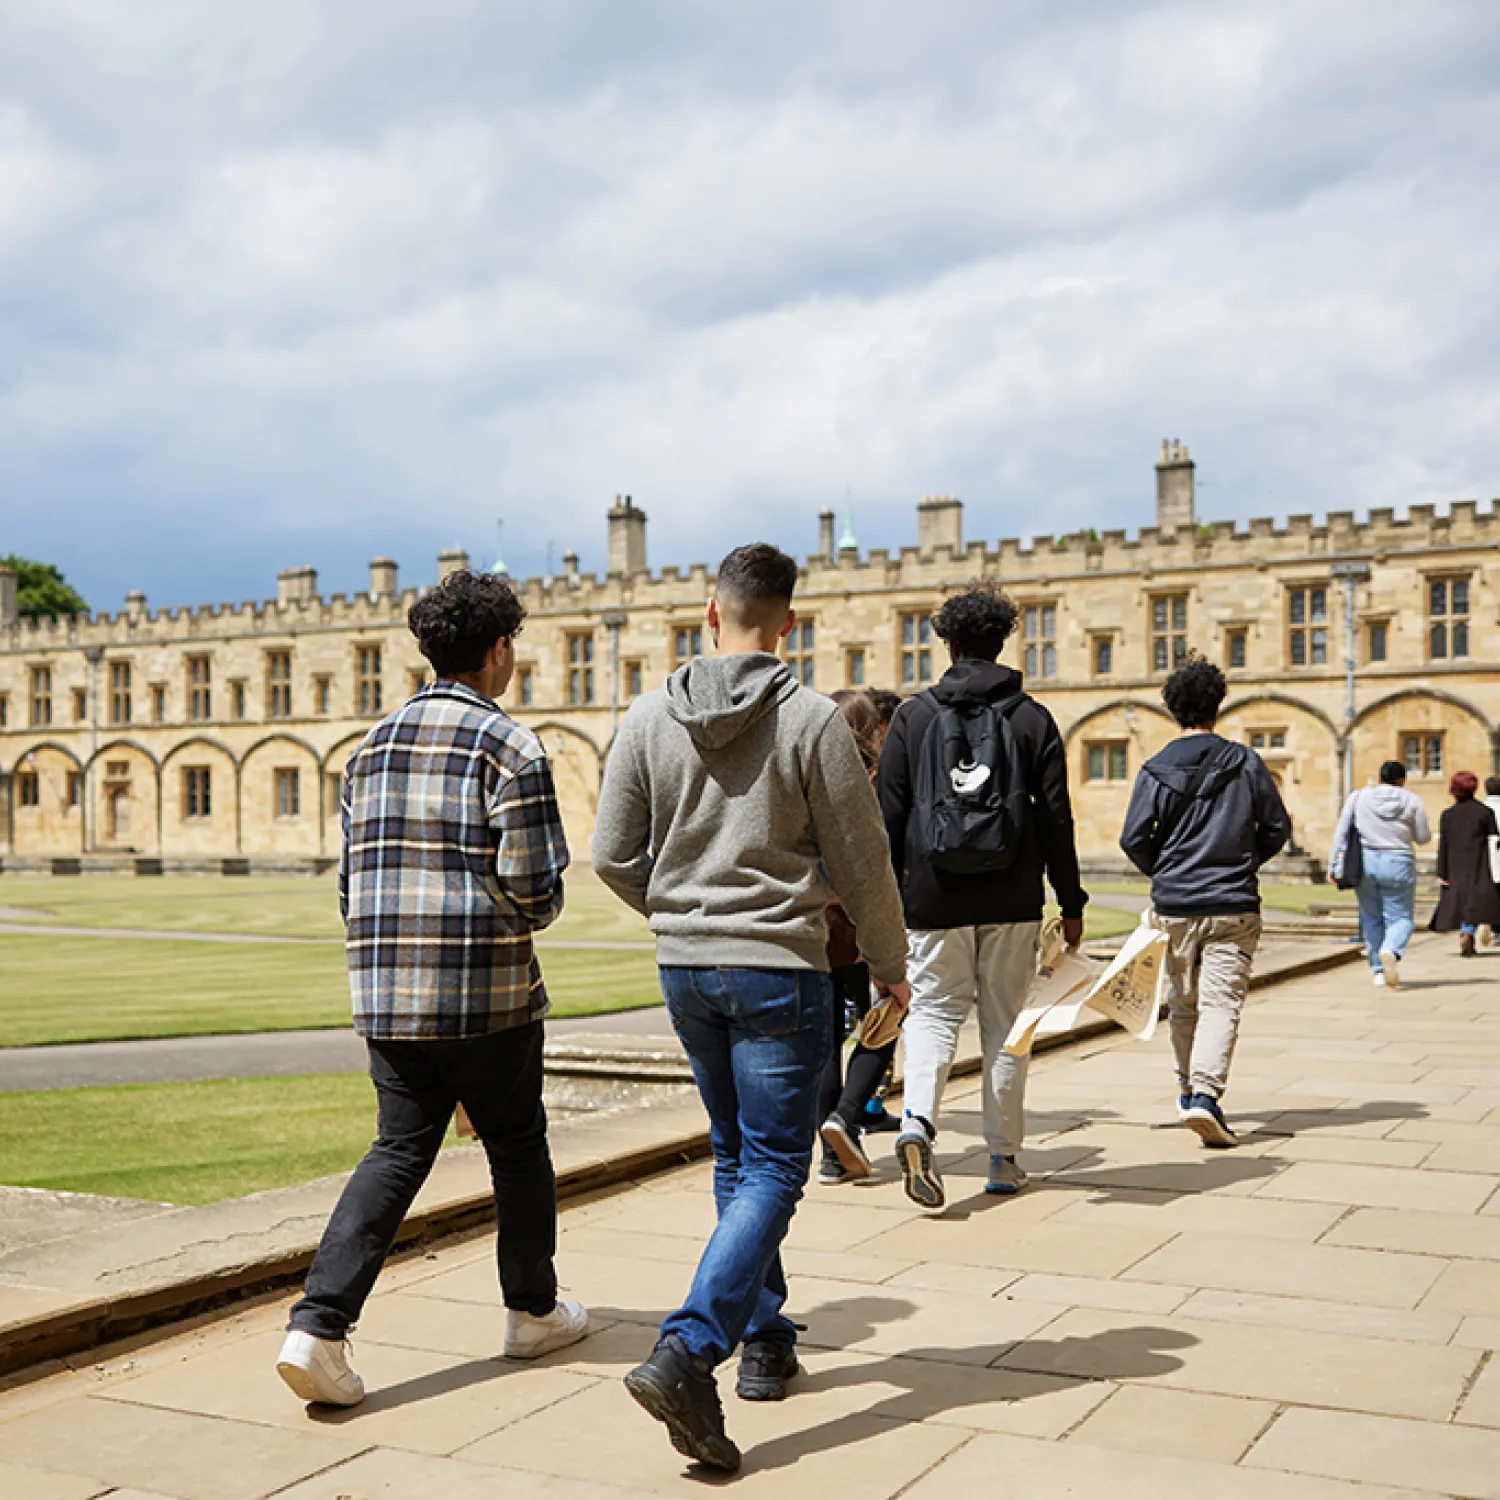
[(1175, 766), (717, 698), (972, 680), (1393, 803)]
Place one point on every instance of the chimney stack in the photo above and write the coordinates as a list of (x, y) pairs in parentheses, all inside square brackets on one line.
[(570, 568), (382, 578), (827, 549), (135, 605), (940, 523), (1175, 504), (627, 538), (293, 586), (454, 560), (10, 613)]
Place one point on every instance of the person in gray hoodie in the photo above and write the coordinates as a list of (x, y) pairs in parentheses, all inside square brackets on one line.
[(1391, 822), (732, 798)]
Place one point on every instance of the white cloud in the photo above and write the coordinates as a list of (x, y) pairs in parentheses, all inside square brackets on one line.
[(321, 281)]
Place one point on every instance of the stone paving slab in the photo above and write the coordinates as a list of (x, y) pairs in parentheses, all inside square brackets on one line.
[(1312, 1317)]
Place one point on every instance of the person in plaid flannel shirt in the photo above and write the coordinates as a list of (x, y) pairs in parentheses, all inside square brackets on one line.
[(453, 859)]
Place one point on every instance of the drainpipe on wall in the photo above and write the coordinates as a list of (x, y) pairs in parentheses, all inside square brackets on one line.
[(1351, 573), (93, 655), (614, 622)]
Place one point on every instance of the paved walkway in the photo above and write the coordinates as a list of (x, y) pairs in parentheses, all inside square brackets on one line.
[(258, 1054), (1311, 1317)]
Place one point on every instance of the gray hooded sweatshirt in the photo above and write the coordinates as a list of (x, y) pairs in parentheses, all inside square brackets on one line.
[(1388, 817), (732, 798)]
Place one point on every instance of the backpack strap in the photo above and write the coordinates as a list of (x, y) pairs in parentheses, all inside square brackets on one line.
[(1167, 826)]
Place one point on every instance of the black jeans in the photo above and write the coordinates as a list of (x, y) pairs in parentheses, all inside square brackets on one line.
[(498, 1080), (847, 1098)]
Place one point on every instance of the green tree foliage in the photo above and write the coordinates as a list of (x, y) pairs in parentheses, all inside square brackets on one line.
[(42, 590)]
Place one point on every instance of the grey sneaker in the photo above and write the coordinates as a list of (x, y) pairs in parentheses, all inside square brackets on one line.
[(919, 1173), (1006, 1177)]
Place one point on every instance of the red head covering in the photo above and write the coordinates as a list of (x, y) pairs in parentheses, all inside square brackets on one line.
[(1463, 786)]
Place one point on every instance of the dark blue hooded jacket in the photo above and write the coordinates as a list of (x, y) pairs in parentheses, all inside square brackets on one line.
[(1236, 822)]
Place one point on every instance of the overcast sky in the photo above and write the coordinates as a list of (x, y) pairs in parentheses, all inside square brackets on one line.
[(301, 282)]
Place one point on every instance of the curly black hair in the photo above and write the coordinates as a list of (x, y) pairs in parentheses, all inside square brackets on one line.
[(457, 623), (977, 622), (1194, 692)]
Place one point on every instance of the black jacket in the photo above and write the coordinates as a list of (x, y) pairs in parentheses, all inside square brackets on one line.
[(1463, 860), (936, 898), (1230, 829)]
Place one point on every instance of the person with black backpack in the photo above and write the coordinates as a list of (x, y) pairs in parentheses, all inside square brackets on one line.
[(1205, 815), (973, 784)]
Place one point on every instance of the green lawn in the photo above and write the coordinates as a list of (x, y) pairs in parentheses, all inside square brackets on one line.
[(186, 1142), (280, 906), (100, 989), (1278, 897)]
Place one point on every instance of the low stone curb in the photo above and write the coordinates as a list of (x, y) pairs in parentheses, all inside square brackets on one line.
[(41, 1321)]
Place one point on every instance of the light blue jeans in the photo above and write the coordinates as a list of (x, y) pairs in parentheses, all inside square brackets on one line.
[(758, 1040), (1387, 898)]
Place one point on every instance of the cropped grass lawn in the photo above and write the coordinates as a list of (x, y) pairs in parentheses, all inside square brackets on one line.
[(186, 1142)]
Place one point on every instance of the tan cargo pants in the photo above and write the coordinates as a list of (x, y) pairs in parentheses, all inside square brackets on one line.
[(1208, 977)]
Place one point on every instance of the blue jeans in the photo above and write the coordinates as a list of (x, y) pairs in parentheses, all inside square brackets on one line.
[(758, 1041), (1387, 897)]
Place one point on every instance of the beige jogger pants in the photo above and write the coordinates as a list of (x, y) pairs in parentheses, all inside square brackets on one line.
[(1208, 977)]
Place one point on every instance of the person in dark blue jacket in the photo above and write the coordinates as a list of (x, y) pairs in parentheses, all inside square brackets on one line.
[(1204, 817)]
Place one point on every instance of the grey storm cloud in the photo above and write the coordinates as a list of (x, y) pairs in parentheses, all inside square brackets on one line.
[(303, 282)]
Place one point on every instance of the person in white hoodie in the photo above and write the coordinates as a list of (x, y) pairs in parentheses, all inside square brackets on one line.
[(1391, 822)]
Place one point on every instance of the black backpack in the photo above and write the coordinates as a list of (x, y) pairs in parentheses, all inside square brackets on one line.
[(971, 811)]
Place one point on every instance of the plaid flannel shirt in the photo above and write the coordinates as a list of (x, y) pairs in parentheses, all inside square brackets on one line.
[(453, 857)]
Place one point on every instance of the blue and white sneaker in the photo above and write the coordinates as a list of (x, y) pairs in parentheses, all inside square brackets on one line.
[(1184, 1104), (919, 1173), (1206, 1120), (1006, 1177)]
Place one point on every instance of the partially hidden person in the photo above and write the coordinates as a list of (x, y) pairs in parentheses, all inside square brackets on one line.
[(732, 800), (453, 858), (846, 1097), (1391, 821), (1469, 898), (1204, 816), (973, 783)]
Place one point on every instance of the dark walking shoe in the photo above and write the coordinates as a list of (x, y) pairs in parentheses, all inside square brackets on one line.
[(876, 1119), (681, 1392), (919, 1173), (831, 1170), (842, 1140), (765, 1368), (1466, 944), (1206, 1120)]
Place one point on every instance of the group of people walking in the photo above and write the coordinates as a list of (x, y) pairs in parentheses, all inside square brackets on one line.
[(803, 861), (1374, 854)]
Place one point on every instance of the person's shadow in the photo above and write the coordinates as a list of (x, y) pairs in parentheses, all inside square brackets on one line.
[(1052, 1364)]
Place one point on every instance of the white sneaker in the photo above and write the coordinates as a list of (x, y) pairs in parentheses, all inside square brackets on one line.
[(1390, 966), (530, 1337), (318, 1370), (1379, 980)]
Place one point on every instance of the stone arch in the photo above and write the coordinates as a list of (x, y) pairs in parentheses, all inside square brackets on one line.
[(1106, 747), (187, 832), (1465, 739), (1301, 745), (124, 785), (281, 814), (55, 820), (577, 769)]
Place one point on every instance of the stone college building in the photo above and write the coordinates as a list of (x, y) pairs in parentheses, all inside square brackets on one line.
[(215, 737)]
